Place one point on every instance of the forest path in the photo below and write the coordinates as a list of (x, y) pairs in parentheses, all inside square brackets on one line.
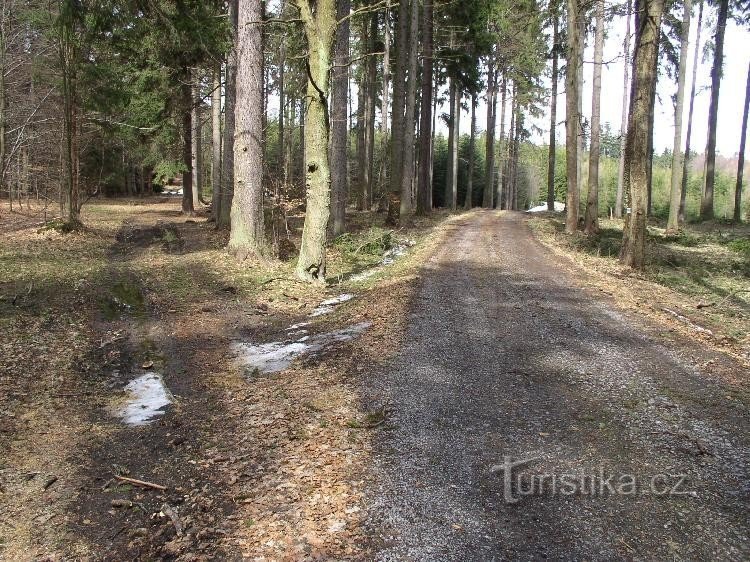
[(507, 355)]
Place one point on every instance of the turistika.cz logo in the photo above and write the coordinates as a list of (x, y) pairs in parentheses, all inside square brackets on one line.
[(600, 483)]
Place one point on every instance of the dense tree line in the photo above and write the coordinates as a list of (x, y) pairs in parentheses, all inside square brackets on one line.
[(104, 97)]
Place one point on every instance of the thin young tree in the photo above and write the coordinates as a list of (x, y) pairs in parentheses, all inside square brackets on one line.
[(572, 116), (319, 22), (741, 158), (624, 119), (247, 236), (591, 222), (644, 88), (707, 198), (552, 155), (673, 222), (216, 141), (689, 134), (196, 148)]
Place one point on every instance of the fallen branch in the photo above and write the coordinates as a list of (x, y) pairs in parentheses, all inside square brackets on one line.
[(141, 483)]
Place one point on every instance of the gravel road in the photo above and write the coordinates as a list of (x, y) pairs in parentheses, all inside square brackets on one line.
[(508, 357)]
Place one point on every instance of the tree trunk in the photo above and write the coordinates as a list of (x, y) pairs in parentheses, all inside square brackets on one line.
[(340, 121), (319, 20), (673, 224), (650, 163), (188, 200), (282, 115), (634, 237), (424, 185), (572, 117), (489, 171), (741, 158), (398, 125), (686, 159), (707, 201), (216, 143), (591, 223), (625, 109), (508, 153), (501, 141), (407, 173), (230, 93), (454, 148), (3, 115), (370, 101), (451, 131), (197, 142), (247, 237), (382, 180), (472, 140), (553, 111)]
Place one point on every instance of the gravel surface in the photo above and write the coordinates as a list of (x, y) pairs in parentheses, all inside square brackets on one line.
[(507, 356)]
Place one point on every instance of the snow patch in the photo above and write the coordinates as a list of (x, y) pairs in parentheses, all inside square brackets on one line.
[(327, 306), (559, 207), (147, 396), (277, 356)]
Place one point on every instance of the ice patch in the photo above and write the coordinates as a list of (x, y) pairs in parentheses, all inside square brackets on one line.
[(559, 207), (277, 356), (327, 306), (146, 400)]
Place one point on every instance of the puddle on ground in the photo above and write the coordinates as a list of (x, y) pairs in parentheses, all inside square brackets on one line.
[(147, 396), (327, 306), (277, 356)]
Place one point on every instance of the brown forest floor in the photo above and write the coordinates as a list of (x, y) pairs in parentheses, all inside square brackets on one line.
[(256, 466)]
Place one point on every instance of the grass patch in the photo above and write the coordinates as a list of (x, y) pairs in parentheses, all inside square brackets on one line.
[(706, 263)]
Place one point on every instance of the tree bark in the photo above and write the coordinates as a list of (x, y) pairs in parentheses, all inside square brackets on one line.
[(424, 185), (398, 125), (634, 237), (553, 110), (501, 144), (472, 141), (188, 200), (625, 110), (591, 223), (489, 172), (216, 143), (382, 180), (686, 159), (319, 20), (707, 200), (741, 158), (454, 147), (673, 224), (197, 141), (407, 173), (247, 236), (448, 197), (340, 121), (230, 94), (572, 117)]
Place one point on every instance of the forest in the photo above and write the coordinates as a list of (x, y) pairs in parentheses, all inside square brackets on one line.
[(287, 279)]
